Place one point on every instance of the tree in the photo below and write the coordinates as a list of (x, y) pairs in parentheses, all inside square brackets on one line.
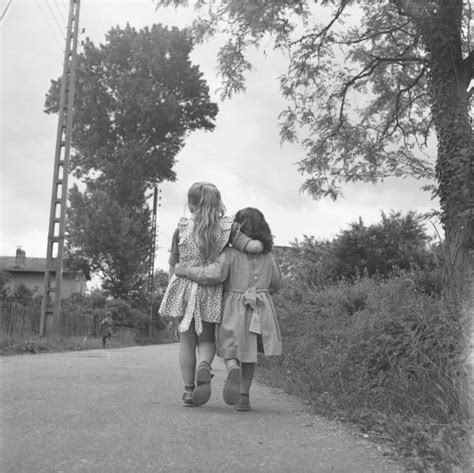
[(137, 98), (23, 294), (365, 99), (4, 278), (112, 238), (397, 242)]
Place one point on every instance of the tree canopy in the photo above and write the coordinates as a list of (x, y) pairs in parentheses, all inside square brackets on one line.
[(357, 85), (137, 98), (368, 84)]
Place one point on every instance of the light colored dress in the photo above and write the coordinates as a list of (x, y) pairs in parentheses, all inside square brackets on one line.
[(248, 306), (184, 299)]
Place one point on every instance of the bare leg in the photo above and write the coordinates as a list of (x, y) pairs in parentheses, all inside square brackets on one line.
[(207, 350), (207, 343), (187, 355)]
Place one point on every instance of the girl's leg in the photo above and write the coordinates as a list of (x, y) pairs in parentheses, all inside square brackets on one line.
[(207, 351), (187, 355), (207, 343), (231, 392), (248, 371)]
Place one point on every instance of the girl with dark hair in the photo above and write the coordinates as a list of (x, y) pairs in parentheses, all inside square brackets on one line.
[(248, 314)]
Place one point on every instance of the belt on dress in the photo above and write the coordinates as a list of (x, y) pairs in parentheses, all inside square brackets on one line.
[(252, 298)]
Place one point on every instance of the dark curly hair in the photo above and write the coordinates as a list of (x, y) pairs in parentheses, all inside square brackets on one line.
[(253, 224)]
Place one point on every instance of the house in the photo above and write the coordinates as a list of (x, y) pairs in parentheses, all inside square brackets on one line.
[(30, 272)]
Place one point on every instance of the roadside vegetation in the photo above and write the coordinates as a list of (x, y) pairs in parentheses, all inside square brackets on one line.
[(369, 338)]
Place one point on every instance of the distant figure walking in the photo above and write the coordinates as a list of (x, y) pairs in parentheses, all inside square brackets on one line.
[(105, 328)]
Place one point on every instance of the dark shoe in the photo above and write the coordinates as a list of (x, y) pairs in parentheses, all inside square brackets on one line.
[(188, 399), (243, 405), (231, 392), (202, 393)]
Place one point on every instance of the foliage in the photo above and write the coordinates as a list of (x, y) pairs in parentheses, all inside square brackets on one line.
[(137, 98), (112, 239), (23, 295), (369, 338), (383, 355), (160, 279), (397, 243), (4, 278), (358, 83), (368, 84)]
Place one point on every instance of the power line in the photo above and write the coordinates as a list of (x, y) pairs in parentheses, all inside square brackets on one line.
[(48, 23), (61, 28), (60, 12)]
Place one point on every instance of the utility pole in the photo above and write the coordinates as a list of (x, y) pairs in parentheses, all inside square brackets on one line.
[(51, 305), (151, 269)]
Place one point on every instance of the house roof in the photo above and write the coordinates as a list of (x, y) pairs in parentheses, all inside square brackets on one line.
[(32, 265)]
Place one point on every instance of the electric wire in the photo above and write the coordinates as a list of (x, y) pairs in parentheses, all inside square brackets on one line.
[(61, 28), (63, 17), (49, 24)]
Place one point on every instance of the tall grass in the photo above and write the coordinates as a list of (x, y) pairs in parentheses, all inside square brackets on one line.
[(383, 355)]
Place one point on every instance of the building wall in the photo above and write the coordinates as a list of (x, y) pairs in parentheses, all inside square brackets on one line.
[(35, 282)]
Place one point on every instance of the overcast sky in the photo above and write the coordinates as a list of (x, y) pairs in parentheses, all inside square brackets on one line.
[(243, 156)]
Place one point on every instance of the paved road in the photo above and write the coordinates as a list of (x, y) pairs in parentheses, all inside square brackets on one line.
[(120, 411)]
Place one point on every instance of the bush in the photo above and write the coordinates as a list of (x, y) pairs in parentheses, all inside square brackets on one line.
[(377, 351)]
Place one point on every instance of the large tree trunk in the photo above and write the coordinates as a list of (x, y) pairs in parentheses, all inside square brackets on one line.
[(450, 77)]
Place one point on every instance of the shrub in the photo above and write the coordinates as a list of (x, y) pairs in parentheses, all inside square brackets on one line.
[(381, 347)]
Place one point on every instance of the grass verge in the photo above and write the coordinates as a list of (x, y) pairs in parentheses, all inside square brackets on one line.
[(35, 344), (384, 357)]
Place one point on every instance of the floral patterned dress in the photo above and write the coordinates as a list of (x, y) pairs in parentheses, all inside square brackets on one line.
[(187, 300)]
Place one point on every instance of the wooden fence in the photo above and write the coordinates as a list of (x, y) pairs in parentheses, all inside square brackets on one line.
[(20, 321)]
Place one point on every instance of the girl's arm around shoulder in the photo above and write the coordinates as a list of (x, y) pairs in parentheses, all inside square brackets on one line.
[(276, 280), (242, 242), (210, 275)]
